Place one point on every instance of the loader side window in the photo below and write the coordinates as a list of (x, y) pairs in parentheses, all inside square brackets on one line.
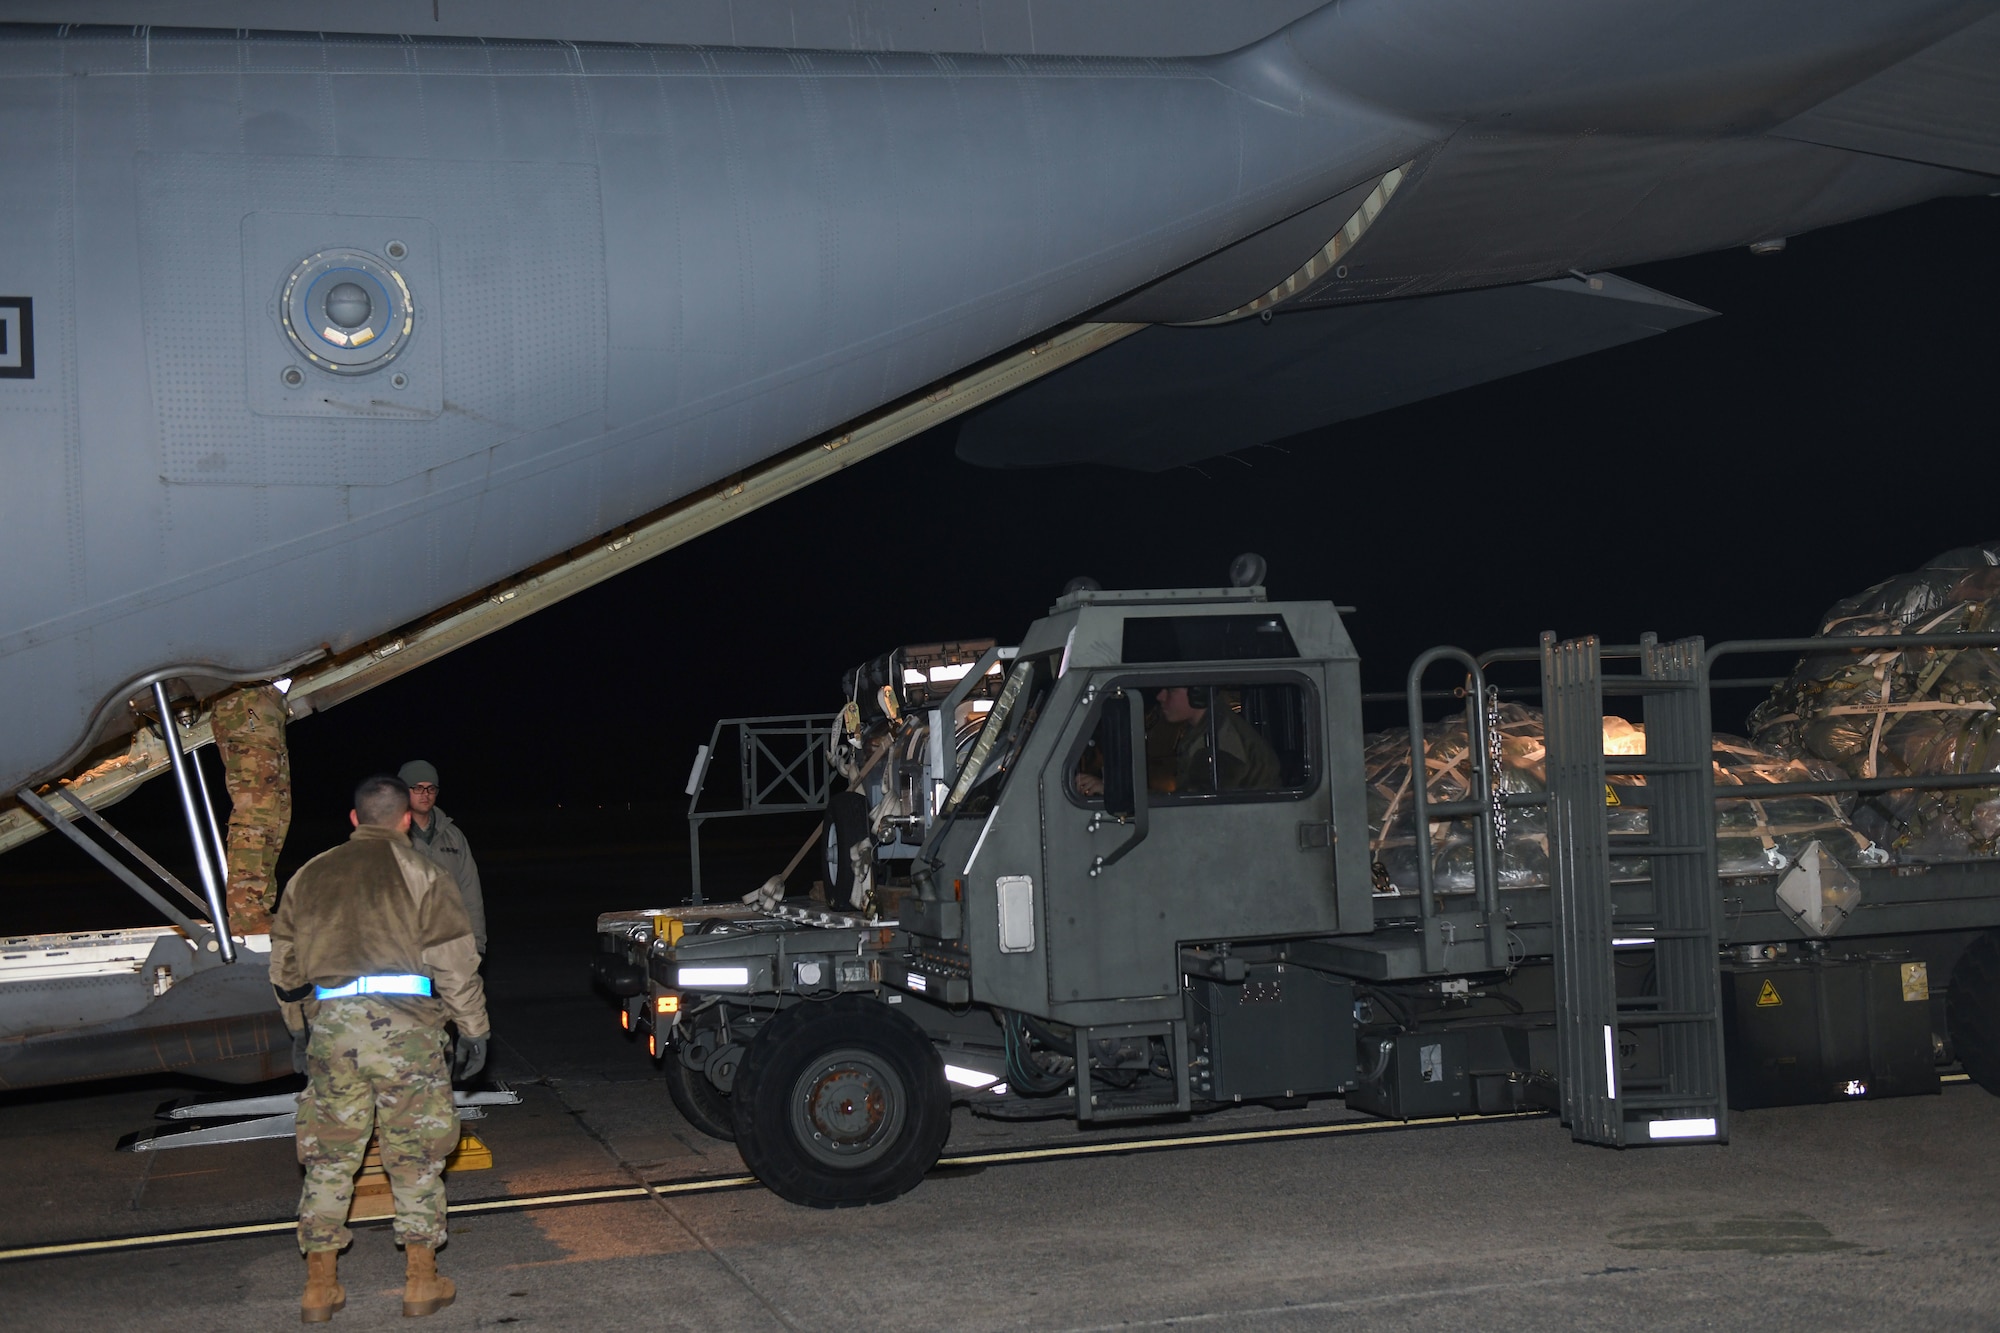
[(1206, 740)]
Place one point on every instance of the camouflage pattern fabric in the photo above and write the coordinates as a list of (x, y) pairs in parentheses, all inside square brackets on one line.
[(1753, 836), (1887, 712), (249, 726), (372, 1068)]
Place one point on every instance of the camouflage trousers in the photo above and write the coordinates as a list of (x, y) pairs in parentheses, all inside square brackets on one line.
[(249, 727), (369, 1069)]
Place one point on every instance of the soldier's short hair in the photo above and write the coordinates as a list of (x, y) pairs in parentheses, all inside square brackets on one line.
[(381, 799)]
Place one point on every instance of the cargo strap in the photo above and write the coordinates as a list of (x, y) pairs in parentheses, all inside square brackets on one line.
[(405, 984)]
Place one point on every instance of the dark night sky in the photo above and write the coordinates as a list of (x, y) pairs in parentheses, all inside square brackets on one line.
[(1831, 428)]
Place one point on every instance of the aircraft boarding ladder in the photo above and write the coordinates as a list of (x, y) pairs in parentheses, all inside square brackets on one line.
[(1602, 1100)]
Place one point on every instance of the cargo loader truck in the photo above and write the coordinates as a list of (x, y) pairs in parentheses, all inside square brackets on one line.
[(1123, 871)]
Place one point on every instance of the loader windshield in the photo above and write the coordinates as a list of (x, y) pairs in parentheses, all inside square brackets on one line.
[(1006, 731)]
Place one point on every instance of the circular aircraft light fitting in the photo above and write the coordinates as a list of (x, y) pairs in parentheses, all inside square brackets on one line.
[(348, 306), (348, 311), (395, 250), (292, 376)]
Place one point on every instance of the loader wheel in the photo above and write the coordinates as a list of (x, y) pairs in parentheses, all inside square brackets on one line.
[(699, 1101), (840, 1103), (846, 824), (1972, 1011)]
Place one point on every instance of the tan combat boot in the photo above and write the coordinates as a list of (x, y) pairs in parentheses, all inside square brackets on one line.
[(424, 1292), (324, 1294)]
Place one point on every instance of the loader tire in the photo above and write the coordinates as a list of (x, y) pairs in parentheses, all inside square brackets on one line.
[(841, 1103), (1972, 1011), (846, 824), (699, 1101)]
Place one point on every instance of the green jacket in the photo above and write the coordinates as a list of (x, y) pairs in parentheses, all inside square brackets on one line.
[(1246, 761), (444, 842)]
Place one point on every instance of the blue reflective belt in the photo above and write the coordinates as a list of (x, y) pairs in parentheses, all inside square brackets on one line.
[(397, 985)]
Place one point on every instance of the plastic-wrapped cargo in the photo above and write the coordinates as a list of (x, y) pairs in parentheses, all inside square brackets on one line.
[(1918, 710), (1753, 837)]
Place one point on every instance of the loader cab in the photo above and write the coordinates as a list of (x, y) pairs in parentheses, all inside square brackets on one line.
[(1192, 765)]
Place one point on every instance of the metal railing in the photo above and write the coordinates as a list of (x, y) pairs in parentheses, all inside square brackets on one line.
[(782, 768), (1484, 809)]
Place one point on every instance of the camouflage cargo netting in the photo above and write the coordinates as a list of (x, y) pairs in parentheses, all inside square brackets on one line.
[(1753, 837), (1920, 710)]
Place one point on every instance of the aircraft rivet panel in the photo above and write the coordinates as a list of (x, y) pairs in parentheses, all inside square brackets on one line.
[(343, 320)]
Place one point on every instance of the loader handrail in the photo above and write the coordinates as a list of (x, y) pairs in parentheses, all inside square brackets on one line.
[(1481, 808)]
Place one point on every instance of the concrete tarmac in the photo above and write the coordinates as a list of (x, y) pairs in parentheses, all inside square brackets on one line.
[(1871, 1215)]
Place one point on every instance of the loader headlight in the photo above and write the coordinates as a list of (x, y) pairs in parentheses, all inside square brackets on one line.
[(695, 978)]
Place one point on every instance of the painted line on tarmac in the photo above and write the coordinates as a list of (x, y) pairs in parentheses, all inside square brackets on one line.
[(1121, 1147), (145, 1242), (719, 1184), (510, 1203)]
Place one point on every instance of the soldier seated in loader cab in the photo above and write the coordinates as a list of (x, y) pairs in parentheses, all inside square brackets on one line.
[(1178, 758), (1242, 760)]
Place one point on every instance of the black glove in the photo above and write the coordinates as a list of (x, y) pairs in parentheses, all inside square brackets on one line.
[(299, 1042), (470, 1057)]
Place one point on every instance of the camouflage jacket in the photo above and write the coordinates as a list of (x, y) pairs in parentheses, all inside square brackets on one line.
[(444, 842), (374, 907)]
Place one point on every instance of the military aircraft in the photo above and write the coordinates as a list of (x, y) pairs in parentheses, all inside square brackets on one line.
[(322, 353)]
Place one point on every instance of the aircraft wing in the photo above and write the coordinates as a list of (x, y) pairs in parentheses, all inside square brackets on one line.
[(1940, 106), (1168, 395)]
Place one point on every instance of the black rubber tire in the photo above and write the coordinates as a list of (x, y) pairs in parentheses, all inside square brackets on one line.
[(700, 1102), (847, 824), (797, 1121), (1972, 1011)]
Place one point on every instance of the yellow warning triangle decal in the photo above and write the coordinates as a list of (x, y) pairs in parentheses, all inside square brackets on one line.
[(1768, 996)]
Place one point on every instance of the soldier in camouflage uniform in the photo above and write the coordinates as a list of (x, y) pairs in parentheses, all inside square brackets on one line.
[(249, 727), (372, 941)]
